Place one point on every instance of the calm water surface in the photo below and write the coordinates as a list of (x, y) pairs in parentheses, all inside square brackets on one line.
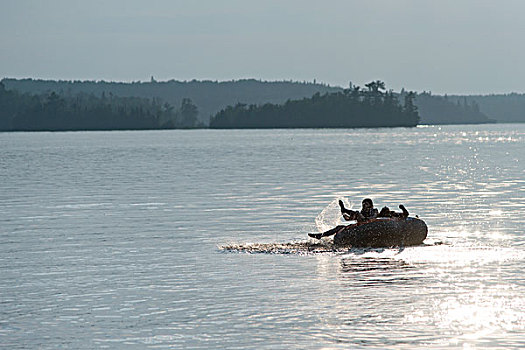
[(197, 239)]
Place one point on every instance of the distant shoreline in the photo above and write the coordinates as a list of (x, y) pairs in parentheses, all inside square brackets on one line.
[(241, 129), (210, 97)]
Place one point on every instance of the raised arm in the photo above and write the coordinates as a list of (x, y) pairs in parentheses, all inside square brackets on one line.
[(405, 211), (348, 214)]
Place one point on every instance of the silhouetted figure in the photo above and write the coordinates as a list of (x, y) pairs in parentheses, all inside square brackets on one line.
[(387, 213), (368, 212)]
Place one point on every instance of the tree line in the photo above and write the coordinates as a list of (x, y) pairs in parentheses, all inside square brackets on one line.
[(350, 108), (209, 96), (53, 112), (61, 105), (501, 107), (213, 96), (443, 110)]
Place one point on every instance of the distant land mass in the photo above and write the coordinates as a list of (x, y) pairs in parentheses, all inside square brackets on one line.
[(351, 108), (210, 97), (435, 109), (53, 112), (505, 108)]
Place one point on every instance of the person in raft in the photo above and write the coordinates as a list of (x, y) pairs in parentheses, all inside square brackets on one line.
[(368, 212)]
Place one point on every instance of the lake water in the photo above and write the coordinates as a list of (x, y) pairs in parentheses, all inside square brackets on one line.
[(198, 239)]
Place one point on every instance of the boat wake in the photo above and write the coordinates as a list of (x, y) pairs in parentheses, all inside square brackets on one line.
[(307, 247), (301, 247)]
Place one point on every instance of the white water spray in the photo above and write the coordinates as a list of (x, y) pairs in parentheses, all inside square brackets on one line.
[(330, 216)]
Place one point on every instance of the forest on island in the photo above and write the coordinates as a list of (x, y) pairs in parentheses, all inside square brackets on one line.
[(53, 112), (351, 108)]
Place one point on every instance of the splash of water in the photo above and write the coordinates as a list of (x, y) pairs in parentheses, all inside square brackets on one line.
[(330, 216)]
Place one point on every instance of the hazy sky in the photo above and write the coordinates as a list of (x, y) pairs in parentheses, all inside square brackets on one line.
[(470, 46)]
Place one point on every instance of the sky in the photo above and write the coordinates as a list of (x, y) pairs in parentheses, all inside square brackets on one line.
[(454, 47)]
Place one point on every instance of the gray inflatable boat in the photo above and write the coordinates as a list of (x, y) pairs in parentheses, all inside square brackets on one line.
[(383, 233)]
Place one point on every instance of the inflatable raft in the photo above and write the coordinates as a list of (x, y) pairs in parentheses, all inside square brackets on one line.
[(382, 232)]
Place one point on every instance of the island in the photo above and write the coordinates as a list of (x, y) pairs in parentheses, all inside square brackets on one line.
[(351, 108)]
